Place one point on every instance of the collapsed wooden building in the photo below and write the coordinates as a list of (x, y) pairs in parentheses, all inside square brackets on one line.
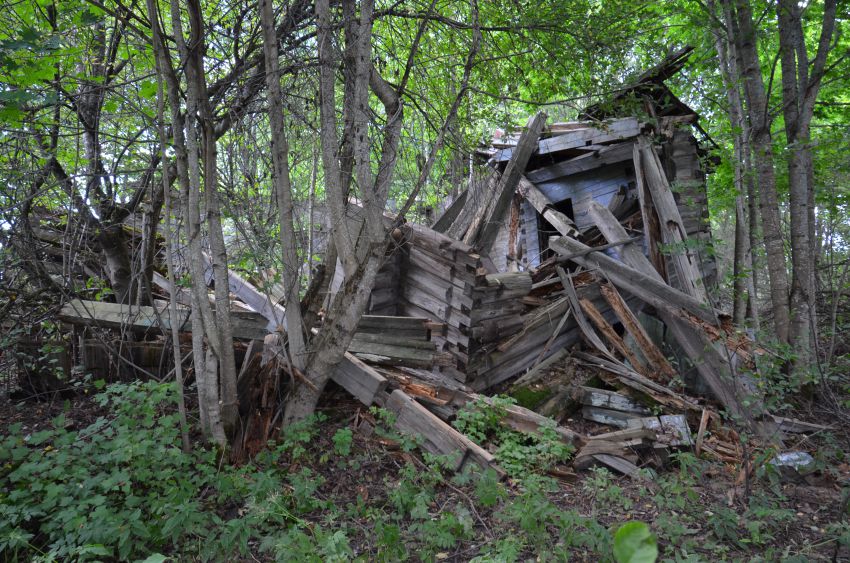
[(583, 242)]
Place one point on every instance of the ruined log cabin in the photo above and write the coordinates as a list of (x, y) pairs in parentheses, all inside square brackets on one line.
[(486, 268)]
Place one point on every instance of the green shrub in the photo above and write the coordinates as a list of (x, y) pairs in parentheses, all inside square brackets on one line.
[(516, 452)]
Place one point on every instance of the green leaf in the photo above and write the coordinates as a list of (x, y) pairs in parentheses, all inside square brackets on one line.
[(155, 558), (148, 89), (634, 543)]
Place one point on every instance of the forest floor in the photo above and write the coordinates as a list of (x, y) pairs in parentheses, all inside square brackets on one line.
[(331, 491)]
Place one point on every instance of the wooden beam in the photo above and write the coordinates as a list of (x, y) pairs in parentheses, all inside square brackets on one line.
[(361, 380), (263, 303), (611, 154), (437, 437), (612, 400), (510, 179), (596, 133), (142, 319), (449, 215), (603, 326), (712, 364), (650, 351), (673, 233), (646, 287), (651, 226), (543, 205)]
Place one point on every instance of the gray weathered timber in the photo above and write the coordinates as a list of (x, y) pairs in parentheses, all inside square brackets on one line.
[(543, 205), (141, 319), (670, 429), (673, 232), (605, 399), (582, 322), (510, 178), (618, 463), (726, 386), (649, 289), (610, 417), (632, 379), (437, 436), (630, 322), (608, 185), (264, 304), (506, 369), (601, 133), (361, 380), (620, 152), (379, 323), (651, 226), (448, 217)]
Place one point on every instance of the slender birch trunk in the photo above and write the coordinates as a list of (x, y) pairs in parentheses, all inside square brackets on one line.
[(743, 33)]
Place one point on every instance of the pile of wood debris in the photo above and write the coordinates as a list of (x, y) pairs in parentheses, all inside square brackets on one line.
[(571, 271)]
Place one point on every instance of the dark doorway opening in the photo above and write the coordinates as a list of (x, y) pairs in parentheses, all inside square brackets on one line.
[(546, 230)]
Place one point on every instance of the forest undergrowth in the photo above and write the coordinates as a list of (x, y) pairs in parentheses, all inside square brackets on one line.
[(101, 477)]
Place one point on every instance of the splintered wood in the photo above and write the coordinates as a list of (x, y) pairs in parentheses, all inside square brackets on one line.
[(569, 246)]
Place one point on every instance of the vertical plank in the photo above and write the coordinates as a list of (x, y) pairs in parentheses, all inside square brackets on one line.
[(510, 179), (673, 231)]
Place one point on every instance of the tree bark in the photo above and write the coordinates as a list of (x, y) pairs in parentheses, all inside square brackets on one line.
[(744, 35), (280, 178), (800, 86), (743, 287)]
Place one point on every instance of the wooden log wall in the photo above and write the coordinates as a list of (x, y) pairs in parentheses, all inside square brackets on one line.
[(385, 293), (447, 281)]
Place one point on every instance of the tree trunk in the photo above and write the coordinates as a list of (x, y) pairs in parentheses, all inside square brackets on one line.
[(117, 263), (280, 178), (799, 92), (744, 36)]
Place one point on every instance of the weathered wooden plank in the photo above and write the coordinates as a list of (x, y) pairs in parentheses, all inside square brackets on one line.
[(670, 429), (651, 226), (383, 300), (592, 397), (541, 369), (543, 205), (618, 463), (603, 326), (452, 333), (478, 194), (449, 215), (612, 154), (582, 322), (632, 379), (526, 420), (359, 379), (437, 437), (140, 319), (502, 369), (728, 388), (509, 180), (650, 351), (372, 323), (392, 338), (673, 233), (598, 133), (610, 417), (261, 302), (182, 295), (422, 296), (641, 285), (437, 243), (625, 434)]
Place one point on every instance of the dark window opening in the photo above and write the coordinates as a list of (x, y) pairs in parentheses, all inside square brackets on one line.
[(546, 230)]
